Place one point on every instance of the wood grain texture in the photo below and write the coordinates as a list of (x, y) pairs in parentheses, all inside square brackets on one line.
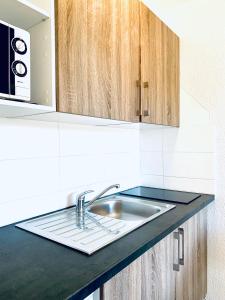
[(171, 66), (191, 281), (126, 285), (158, 277), (160, 69), (150, 277), (98, 57)]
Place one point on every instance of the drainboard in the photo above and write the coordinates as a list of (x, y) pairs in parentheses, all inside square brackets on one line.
[(88, 235)]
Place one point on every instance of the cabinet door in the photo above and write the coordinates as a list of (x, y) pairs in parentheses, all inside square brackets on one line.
[(159, 71), (150, 277), (126, 285), (157, 276), (191, 280), (98, 57)]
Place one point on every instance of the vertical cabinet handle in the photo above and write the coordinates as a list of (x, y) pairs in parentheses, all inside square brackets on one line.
[(146, 86), (146, 113), (181, 240), (138, 85), (176, 251)]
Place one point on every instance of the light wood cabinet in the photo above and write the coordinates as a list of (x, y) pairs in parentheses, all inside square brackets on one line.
[(126, 285), (98, 58), (158, 277), (116, 60), (174, 269), (191, 280), (159, 71)]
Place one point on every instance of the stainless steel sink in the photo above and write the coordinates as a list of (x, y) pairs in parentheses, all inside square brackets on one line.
[(128, 209), (105, 221)]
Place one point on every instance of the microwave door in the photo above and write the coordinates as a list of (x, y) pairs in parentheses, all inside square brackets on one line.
[(11, 61), (4, 61)]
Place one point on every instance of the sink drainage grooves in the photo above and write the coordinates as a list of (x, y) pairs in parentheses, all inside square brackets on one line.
[(63, 228)]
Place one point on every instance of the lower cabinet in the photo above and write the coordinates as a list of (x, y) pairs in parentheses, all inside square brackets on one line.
[(175, 268), (191, 280)]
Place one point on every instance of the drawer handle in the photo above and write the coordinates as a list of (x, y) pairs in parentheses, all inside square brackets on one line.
[(181, 257)]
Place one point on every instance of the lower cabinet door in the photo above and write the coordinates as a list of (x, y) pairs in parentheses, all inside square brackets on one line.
[(158, 277), (191, 280), (151, 276), (126, 285)]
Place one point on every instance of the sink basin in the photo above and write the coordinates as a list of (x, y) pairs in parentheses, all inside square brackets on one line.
[(126, 209), (107, 220)]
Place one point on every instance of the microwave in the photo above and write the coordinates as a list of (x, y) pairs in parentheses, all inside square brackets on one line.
[(14, 63)]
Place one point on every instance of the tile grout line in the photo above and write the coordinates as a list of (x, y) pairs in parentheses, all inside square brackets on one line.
[(192, 178), (179, 152)]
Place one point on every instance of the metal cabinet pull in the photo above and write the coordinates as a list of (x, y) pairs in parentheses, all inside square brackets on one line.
[(146, 113), (176, 264), (145, 97), (146, 85), (181, 257), (138, 85)]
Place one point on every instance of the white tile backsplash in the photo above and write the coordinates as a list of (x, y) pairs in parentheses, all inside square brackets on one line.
[(156, 181), (25, 208), (189, 184), (75, 139), (20, 139), (191, 138), (80, 170), (189, 165), (42, 164), (153, 140), (152, 162), (27, 178)]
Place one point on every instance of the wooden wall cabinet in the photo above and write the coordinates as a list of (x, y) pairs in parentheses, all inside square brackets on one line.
[(116, 60), (98, 58), (159, 71), (163, 272)]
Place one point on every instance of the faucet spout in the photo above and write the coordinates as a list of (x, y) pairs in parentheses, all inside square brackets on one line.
[(102, 193)]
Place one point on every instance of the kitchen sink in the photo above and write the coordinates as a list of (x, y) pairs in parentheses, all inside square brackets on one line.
[(107, 220), (127, 209)]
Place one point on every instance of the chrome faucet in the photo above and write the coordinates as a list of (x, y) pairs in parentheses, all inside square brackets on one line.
[(81, 205)]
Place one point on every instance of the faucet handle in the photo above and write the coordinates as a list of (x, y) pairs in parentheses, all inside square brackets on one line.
[(81, 200), (81, 196)]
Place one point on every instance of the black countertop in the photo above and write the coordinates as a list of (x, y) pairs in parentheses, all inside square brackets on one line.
[(32, 267)]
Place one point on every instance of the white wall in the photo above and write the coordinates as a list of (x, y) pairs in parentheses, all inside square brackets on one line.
[(41, 164)]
